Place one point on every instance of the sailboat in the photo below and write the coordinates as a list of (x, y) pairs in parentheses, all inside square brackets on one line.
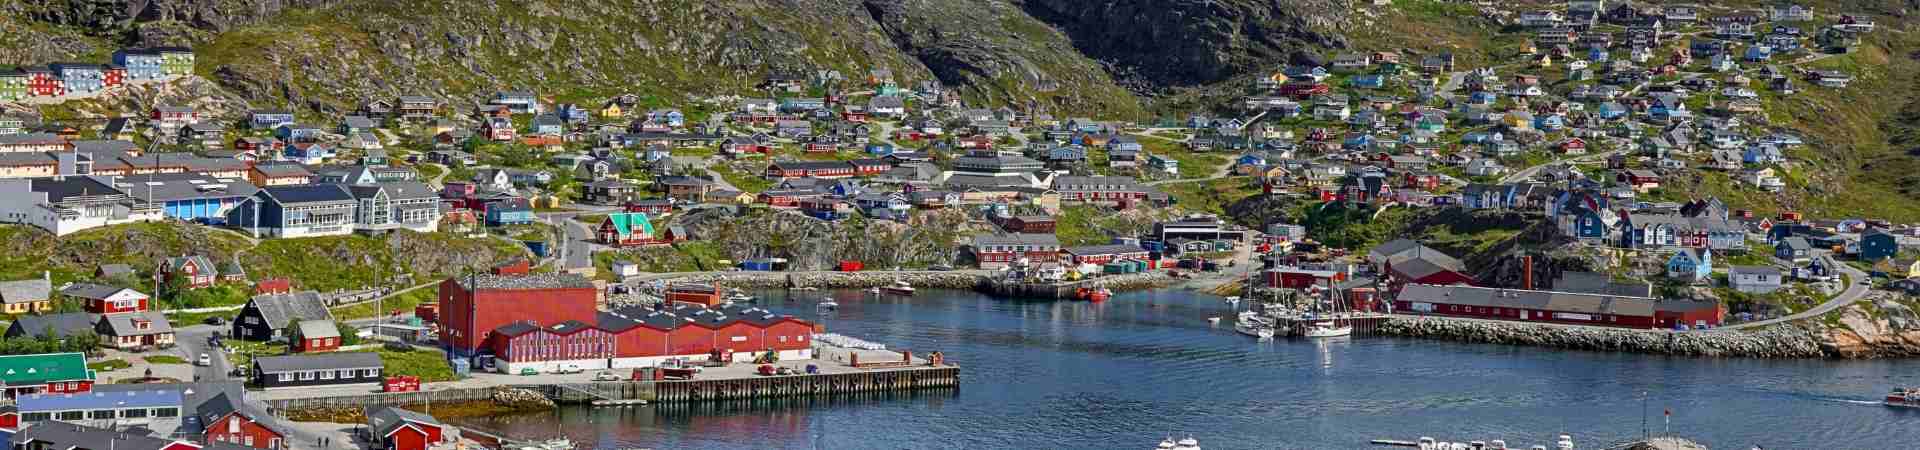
[(1332, 327)]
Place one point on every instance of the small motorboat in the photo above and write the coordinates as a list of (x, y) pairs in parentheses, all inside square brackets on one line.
[(873, 290), (1233, 301), (1213, 320), (1187, 444), (1166, 444), (1099, 295), (899, 287), (1904, 398), (828, 304), (741, 297)]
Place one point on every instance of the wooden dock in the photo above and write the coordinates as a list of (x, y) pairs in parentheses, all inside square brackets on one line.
[(1363, 324), (613, 394), (896, 379)]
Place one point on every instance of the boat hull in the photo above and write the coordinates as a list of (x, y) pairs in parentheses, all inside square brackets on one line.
[(896, 291)]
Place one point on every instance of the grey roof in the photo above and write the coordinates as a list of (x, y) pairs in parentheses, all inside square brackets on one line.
[(1536, 300), (58, 189), (532, 281), (1109, 249), (279, 309), (1753, 270), (184, 186), (23, 291), (75, 436), (396, 190), (1599, 283), (1017, 239), (62, 324), (291, 363), (113, 270), (309, 193), (91, 290), (386, 418), (123, 324), (318, 329)]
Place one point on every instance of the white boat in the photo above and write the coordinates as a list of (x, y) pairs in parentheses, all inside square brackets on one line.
[(1233, 301), (873, 290), (550, 444), (739, 297), (1265, 334), (1213, 321), (1166, 444), (828, 304), (899, 287), (1187, 444), (1326, 331)]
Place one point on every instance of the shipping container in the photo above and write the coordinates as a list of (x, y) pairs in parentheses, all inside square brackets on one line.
[(539, 248), (1115, 268), (780, 264), (851, 266), (757, 265)]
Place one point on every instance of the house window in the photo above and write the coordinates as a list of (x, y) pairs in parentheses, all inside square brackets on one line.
[(249, 440), (369, 373), (72, 415), (35, 417), (286, 376), (346, 373), (102, 414), (133, 413), (326, 374), (166, 412), (307, 375)]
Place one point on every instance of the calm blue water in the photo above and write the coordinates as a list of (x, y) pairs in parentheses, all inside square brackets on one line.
[(1124, 374)]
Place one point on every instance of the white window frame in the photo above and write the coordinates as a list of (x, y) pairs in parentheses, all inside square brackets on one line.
[(286, 376)]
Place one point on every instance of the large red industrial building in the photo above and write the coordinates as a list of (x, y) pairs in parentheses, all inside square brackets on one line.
[(642, 337), (473, 306), (1556, 307)]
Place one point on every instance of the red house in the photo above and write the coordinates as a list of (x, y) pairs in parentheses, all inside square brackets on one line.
[(870, 166), (115, 76), (273, 286), (41, 82), (1297, 278), (993, 252), (1102, 254), (814, 169), (227, 423), (195, 271), (1574, 146), (1304, 90), (1028, 224), (471, 307), (316, 336), (1425, 181), (401, 429), (104, 299)]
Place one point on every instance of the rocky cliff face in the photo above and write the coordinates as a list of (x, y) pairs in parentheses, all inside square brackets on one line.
[(1160, 43), (811, 244), (329, 55), (1895, 332)]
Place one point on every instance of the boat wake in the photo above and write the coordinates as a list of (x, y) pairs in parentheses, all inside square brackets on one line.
[(1851, 401)]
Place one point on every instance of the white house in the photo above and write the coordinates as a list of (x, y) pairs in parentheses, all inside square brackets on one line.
[(1754, 279)]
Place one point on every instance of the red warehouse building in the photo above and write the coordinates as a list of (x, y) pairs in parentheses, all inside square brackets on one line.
[(1102, 254), (472, 307), (698, 294), (642, 337), (1551, 307), (1297, 278), (997, 251)]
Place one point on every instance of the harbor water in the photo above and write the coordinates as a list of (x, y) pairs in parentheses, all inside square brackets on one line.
[(1044, 374)]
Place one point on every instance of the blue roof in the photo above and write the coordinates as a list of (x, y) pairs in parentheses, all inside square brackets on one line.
[(158, 398)]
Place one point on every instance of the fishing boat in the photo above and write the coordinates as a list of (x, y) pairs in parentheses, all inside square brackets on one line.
[(1099, 295), (1904, 397), (1253, 324), (1265, 334), (899, 287)]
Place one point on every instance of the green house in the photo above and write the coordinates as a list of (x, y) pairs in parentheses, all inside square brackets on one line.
[(13, 85), (48, 372), (626, 228), (175, 61)]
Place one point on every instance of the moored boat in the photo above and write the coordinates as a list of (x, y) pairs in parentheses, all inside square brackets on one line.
[(1099, 295), (899, 287), (1904, 397), (828, 304), (1324, 330)]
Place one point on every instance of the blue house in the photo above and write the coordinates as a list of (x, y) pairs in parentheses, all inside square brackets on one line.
[(573, 113), (1368, 81), (511, 211), (141, 64), (1124, 143), (1482, 98), (1690, 265), (1590, 224), (1758, 53), (1482, 137), (1876, 244), (300, 210), (1612, 110), (1597, 54), (1794, 249), (879, 149), (293, 132), (1251, 159), (1550, 122), (1357, 141), (81, 78), (1762, 154), (670, 117), (548, 124)]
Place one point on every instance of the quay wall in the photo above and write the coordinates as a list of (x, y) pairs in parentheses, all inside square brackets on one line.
[(831, 280), (1771, 342)]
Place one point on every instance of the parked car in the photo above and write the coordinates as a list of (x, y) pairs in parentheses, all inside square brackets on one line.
[(203, 361), (214, 320), (605, 376), (570, 368), (529, 371)]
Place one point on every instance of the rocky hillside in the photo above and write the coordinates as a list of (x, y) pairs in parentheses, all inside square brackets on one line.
[(327, 55)]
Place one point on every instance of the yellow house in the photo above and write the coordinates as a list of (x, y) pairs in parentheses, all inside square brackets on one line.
[(612, 110), (745, 198), (1899, 269), (26, 296)]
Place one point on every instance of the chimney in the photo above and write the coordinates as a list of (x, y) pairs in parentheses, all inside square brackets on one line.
[(1526, 274)]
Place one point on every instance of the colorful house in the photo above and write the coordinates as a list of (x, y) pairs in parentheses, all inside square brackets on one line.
[(401, 429), (622, 229), (1691, 265), (47, 372)]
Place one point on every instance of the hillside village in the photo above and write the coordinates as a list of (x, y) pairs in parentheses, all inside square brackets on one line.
[(1580, 132)]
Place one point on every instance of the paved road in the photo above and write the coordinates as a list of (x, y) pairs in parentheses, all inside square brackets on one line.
[(579, 246), (1856, 289), (1526, 173), (191, 342)]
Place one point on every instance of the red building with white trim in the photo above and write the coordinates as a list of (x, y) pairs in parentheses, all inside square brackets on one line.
[(996, 251), (1555, 307)]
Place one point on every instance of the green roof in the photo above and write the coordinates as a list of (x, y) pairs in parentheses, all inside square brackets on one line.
[(625, 222), (28, 370)]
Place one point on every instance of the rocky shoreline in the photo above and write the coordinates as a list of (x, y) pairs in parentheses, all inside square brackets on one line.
[(1786, 341)]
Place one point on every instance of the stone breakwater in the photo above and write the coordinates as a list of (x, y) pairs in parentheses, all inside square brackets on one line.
[(1772, 342), (928, 280)]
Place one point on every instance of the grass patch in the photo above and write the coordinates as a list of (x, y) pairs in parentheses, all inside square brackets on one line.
[(429, 365), (166, 359), (109, 365), (1210, 196), (404, 302)]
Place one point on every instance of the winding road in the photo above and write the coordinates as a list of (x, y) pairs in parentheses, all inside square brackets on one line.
[(1856, 289)]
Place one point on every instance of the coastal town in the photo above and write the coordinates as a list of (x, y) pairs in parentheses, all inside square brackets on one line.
[(1597, 178)]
